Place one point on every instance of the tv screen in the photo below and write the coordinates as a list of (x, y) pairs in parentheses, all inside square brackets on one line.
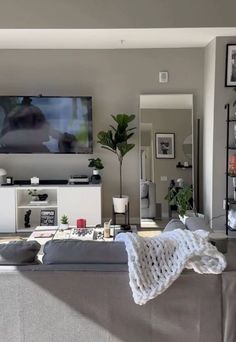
[(43, 124)]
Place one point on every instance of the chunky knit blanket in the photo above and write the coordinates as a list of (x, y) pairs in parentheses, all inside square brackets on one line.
[(155, 263)]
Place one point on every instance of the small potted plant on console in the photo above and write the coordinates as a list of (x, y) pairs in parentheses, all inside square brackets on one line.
[(64, 222), (34, 195), (97, 165)]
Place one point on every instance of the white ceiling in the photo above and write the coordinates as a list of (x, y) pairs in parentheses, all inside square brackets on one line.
[(109, 38)]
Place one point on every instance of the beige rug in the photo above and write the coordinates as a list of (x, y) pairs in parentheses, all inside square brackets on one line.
[(149, 233)]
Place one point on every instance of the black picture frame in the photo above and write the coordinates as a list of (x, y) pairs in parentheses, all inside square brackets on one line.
[(47, 217), (165, 145), (230, 66)]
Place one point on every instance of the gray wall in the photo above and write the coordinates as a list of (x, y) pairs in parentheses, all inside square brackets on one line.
[(216, 96), (115, 79), (178, 121), (222, 96), (116, 13)]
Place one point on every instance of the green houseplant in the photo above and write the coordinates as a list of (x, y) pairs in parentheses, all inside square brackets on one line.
[(182, 198), (115, 140), (64, 222), (34, 194), (97, 165)]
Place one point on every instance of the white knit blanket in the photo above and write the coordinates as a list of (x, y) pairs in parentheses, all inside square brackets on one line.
[(155, 263)]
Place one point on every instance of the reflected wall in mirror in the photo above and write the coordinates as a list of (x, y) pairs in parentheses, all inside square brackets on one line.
[(164, 116)]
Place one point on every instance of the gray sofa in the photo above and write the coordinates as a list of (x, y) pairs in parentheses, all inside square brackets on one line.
[(93, 302), (148, 199)]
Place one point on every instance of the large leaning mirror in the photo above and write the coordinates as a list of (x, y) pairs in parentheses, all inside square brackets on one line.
[(166, 153)]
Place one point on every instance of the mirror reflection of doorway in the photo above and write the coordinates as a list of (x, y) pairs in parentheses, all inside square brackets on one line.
[(170, 119), (146, 152)]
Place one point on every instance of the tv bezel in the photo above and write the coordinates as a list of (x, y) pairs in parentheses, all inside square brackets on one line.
[(90, 119)]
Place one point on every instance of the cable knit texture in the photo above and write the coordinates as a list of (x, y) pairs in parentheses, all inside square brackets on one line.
[(155, 263)]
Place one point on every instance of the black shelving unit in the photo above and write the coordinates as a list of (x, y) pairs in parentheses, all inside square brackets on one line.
[(228, 201)]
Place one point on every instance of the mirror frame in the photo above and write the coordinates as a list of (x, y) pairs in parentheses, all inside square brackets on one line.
[(169, 101)]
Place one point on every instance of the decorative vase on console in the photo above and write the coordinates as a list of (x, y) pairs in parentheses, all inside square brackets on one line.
[(27, 219)]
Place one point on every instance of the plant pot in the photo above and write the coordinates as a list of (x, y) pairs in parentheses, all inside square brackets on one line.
[(95, 178), (64, 226), (120, 204), (190, 213)]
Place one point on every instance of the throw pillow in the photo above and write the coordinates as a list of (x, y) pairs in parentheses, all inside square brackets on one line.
[(194, 223), (174, 224), (84, 252), (19, 252)]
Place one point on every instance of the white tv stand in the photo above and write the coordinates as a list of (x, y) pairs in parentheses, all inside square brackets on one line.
[(75, 201)]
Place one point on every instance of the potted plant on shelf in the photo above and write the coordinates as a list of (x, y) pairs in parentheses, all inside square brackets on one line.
[(182, 198), (34, 195), (97, 165), (116, 141), (64, 222)]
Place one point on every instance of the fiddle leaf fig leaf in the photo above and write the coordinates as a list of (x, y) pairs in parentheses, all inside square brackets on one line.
[(124, 148)]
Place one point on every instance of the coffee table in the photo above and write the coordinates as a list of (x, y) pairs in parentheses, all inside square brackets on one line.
[(71, 233), (43, 234)]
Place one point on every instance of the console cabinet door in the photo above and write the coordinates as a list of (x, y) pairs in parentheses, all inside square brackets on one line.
[(7, 210), (80, 202)]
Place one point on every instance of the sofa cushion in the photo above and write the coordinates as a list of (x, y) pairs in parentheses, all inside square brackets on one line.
[(19, 252), (194, 223), (174, 224), (144, 190), (84, 252)]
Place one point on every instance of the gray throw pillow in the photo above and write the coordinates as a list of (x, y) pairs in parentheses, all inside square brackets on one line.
[(194, 223), (19, 252), (84, 252), (174, 224)]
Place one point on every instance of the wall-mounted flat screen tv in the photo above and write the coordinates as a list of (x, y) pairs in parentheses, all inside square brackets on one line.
[(31, 124)]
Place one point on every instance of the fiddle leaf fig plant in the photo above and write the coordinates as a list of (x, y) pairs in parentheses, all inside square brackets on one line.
[(116, 139)]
